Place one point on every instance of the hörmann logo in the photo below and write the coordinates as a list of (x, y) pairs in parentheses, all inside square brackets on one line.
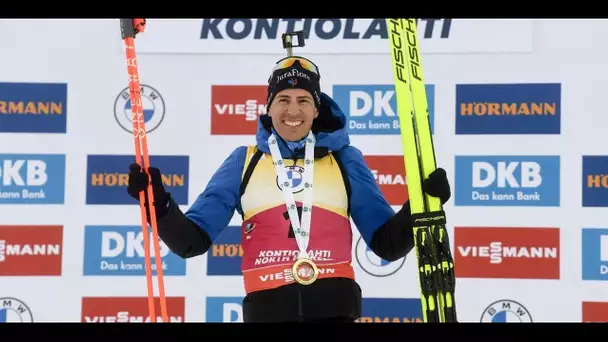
[(508, 108), (33, 107), (507, 252), (374, 310), (595, 181), (108, 177), (391, 310), (226, 253)]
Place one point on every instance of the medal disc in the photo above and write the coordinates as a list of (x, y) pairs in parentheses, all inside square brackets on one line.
[(305, 271)]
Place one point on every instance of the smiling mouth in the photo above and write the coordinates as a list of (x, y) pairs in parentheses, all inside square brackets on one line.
[(292, 123)]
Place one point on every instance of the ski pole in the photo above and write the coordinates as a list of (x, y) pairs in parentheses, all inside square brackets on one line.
[(129, 29)]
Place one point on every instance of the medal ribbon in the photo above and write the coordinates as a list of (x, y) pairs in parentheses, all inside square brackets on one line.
[(301, 230)]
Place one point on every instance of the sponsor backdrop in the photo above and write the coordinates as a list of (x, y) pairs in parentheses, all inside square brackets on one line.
[(518, 125)]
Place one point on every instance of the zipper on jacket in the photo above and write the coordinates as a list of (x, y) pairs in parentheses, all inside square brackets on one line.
[(294, 156), (300, 308)]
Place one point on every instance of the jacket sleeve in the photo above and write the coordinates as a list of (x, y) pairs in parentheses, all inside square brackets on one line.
[(388, 234), (214, 207), (191, 233)]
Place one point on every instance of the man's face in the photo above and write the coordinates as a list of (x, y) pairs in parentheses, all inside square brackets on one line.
[(292, 112)]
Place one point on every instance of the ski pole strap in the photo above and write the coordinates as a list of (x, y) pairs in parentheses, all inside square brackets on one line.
[(129, 28), (433, 218)]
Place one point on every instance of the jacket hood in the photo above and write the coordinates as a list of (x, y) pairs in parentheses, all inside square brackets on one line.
[(329, 129)]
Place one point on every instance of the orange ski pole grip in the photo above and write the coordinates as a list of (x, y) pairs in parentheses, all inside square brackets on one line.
[(129, 29)]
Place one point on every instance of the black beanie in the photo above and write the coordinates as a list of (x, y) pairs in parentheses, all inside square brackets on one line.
[(294, 77)]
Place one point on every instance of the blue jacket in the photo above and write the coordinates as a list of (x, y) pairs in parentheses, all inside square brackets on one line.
[(215, 206)]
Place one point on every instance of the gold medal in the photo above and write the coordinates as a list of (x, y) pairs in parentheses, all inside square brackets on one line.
[(305, 271)]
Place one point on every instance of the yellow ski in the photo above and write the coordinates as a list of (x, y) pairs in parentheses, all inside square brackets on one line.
[(435, 262)]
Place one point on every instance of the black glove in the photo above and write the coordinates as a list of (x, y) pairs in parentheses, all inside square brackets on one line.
[(138, 181), (437, 185)]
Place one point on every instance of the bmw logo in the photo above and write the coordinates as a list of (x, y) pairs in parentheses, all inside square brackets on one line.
[(294, 177), (506, 311), (153, 105), (12, 310), (373, 264)]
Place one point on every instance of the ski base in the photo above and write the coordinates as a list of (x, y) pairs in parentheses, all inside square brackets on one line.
[(435, 263)]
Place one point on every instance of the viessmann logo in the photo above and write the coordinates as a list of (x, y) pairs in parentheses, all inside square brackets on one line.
[(507, 252), (31, 250), (389, 172), (595, 312), (235, 108), (129, 310)]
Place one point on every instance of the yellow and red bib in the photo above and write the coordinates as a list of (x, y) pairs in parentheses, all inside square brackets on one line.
[(267, 240)]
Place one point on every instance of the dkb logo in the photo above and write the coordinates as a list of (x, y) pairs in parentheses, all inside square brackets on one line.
[(595, 253), (32, 178), (119, 251), (372, 109), (507, 180)]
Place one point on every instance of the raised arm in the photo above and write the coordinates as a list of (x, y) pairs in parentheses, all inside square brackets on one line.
[(388, 234), (192, 233)]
